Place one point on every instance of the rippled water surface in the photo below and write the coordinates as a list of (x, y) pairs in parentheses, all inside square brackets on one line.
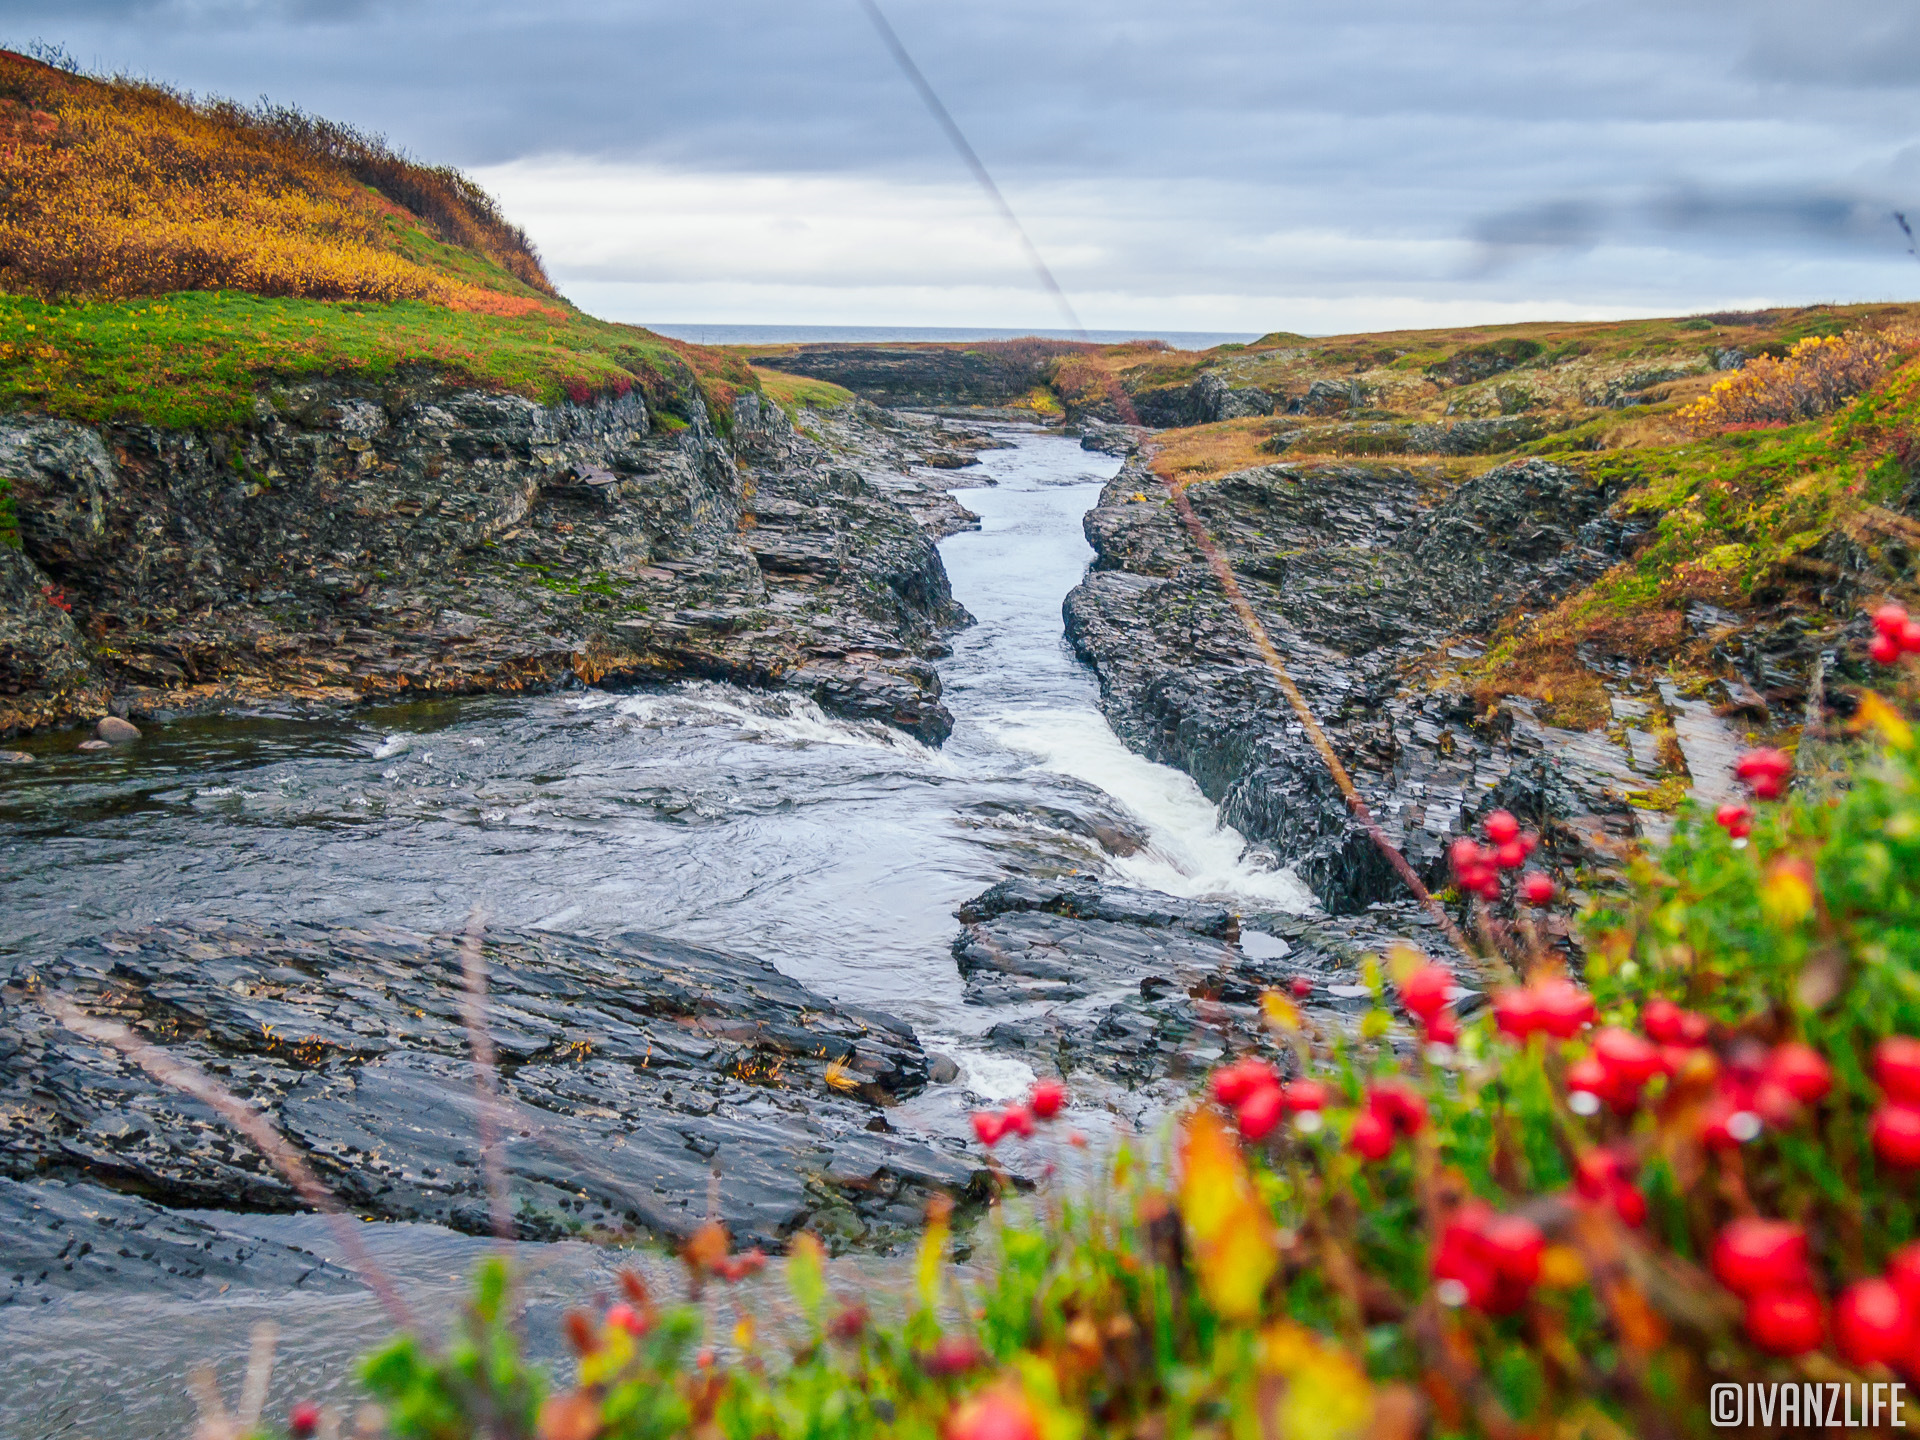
[(753, 822)]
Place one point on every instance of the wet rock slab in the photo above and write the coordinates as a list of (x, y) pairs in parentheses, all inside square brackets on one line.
[(58, 1239), (634, 1072), (1136, 994)]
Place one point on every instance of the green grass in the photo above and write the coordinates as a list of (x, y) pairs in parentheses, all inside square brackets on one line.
[(794, 392), (196, 358)]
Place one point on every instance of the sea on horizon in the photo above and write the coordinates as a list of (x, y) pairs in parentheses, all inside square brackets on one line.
[(705, 334)]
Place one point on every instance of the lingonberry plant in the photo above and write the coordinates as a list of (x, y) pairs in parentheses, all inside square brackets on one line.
[(1535, 1191)]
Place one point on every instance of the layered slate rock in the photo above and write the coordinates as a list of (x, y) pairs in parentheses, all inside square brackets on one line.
[(357, 540), (58, 1238), (641, 1080), (1132, 994), (1359, 573)]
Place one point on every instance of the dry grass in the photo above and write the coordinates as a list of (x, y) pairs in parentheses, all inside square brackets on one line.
[(120, 188), (1204, 452)]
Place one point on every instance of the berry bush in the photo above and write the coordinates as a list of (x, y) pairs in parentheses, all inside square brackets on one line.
[(1521, 1201)]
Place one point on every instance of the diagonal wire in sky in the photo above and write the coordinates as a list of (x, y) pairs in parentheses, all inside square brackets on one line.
[(968, 154)]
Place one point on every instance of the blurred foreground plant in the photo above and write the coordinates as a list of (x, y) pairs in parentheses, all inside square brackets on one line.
[(1569, 1213)]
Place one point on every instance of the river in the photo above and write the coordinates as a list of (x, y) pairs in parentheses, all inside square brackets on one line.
[(752, 822)]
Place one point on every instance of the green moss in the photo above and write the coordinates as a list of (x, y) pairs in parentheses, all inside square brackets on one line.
[(9, 517), (196, 358)]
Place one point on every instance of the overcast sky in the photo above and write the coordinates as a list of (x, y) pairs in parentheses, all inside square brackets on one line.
[(1183, 164)]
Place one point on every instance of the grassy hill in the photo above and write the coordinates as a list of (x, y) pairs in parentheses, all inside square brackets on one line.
[(160, 255)]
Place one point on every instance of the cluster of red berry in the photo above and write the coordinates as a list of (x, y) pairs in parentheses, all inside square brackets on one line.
[(1552, 1006), (1427, 995), (1394, 1108), (1876, 1321), (1253, 1091), (1046, 1100), (1765, 770), (1894, 635), (1487, 1260), (1478, 867), (1896, 1124)]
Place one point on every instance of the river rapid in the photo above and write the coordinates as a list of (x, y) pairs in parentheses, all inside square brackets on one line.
[(751, 822)]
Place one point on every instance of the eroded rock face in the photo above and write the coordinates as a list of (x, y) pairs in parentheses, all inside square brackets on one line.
[(1357, 572), (633, 1071), (359, 542), (1133, 995)]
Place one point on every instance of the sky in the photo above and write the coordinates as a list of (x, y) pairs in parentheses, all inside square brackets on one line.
[(1223, 165)]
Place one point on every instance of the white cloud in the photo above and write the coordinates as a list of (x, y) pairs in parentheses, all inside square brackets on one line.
[(658, 244)]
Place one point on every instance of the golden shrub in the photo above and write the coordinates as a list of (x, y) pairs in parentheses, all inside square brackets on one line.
[(117, 188), (1812, 378)]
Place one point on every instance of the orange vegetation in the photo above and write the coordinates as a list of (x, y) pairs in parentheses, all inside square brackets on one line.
[(120, 188), (1201, 452), (1810, 380)]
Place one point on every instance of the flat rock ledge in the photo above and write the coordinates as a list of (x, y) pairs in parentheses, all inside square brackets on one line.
[(637, 1076)]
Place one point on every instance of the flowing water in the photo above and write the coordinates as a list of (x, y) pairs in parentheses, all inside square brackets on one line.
[(752, 822)]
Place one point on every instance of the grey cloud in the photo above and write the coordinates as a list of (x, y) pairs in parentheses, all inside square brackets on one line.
[(1509, 130)]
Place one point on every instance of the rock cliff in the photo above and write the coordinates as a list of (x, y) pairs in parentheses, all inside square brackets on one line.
[(1368, 578), (358, 540)]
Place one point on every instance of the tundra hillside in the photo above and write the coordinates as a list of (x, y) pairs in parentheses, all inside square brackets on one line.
[(284, 414)]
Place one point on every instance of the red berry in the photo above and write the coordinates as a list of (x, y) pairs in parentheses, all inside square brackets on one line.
[(1444, 1029), (303, 1420), (1785, 1322), (1489, 887), (1536, 889), (1889, 620), (1729, 1121), (1629, 1204), (627, 1318), (1591, 1077), (848, 1324), (1595, 1173), (1896, 1065), (1018, 1120), (1871, 1324), (1301, 987), (1502, 827), (1563, 1007), (1626, 1056), (1909, 636), (1305, 1095), (1801, 1071), (998, 1414), (1895, 1132), (1765, 772), (1047, 1099), (1371, 1137), (1510, 856), (1516, 1012), (1753, 1256), (989, 1125), (1885, 649), (1470, 863), (1903, 1273), (953, 1355), (1399, 1104), (1261, 1111), (1424, 992), (1232, 1084), (1764, 761), (1736, 819), (1513, 1245)]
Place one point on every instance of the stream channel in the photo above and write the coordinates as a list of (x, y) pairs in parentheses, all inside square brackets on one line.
[(751, 822)]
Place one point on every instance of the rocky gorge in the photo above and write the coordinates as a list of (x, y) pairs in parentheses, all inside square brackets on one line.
[(364, 541)]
